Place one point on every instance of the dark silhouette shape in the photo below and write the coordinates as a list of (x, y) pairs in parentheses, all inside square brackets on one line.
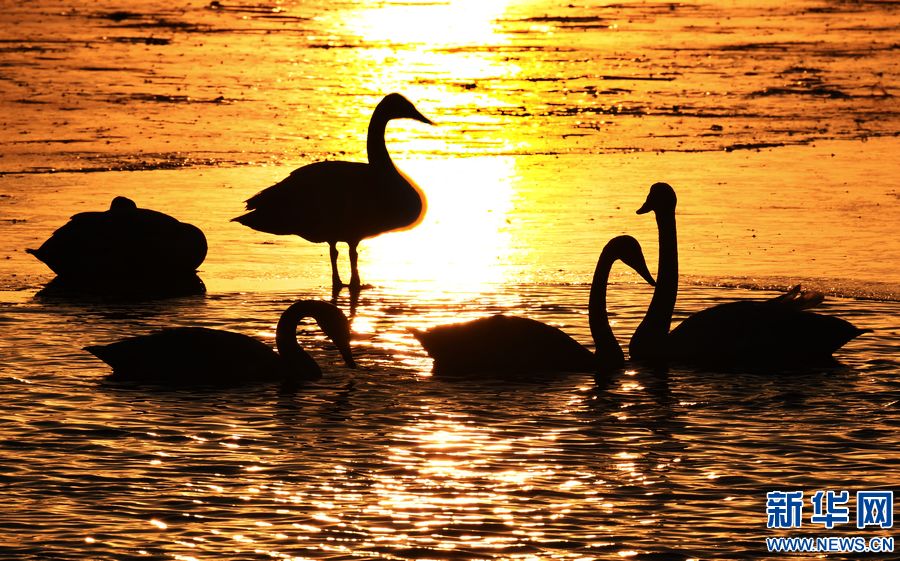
[(123, 289), (512, 344), (770, 332), (198, 356), (125, 250), (335, 201), (353, 302)]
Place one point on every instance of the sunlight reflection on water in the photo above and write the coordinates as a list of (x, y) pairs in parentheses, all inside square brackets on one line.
[(387, 461), (465, 239)]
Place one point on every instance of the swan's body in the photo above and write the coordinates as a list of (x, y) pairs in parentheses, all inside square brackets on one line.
[(123, 245), (211, 357), (337, 201), (758, 332), (512, 344), (770, 332), (503, 343)]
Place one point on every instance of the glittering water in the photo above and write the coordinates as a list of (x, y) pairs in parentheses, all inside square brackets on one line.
[(388, 461), (776, 123)]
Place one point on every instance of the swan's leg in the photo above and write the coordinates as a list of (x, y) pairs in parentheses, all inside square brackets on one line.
[(335, 276), (354, 271)]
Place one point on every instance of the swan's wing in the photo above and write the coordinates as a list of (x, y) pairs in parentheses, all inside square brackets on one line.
[(504, 344), (310, 181), (715, 334), (81, 230), (317, 202), (123, 243), (758, 333), (190, 356), (154, 242)]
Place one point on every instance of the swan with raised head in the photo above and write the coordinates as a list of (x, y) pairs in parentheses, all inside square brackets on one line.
[(521, 345), (336, 201), (771, 332), (211, 357), (123, 246)]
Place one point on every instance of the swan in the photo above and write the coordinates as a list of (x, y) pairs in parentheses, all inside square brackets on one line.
[(335, 201), (770, 332), (123, 243), (211, 357), (503, 343)]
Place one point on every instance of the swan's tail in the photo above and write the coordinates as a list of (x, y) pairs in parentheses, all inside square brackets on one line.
[(243, 219), (422, 337), (253, 220), (101, 352), (828, 333), (271, 222), (798, 299), (841, 338)]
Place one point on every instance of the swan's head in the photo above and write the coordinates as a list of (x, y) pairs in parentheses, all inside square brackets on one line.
[(121, 203), (395, 106), (330, 319), (660, 199), (336, 327), (628, 250)]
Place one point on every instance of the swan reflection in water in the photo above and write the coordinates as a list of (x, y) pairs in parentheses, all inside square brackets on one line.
[(198, 356), (770, 332), (336, 201), (521, 345)]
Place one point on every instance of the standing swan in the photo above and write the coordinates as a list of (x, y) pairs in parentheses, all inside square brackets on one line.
[(769, 332), (512, 344), (336, 201), (210, 357)]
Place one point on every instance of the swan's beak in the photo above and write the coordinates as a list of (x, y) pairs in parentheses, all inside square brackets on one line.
[(419, 117), (637, 263), (347, 355), (645, 208), (641, 269)]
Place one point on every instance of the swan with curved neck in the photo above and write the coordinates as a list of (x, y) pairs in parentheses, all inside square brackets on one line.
[(212, 357), (512, 344), (777, 331), (336, 201)]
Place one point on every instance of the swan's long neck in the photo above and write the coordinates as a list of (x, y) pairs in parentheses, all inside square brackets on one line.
[(375, 147), (663, 303), (297, 361), (399, 191), (609, 354), (649, 339)]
